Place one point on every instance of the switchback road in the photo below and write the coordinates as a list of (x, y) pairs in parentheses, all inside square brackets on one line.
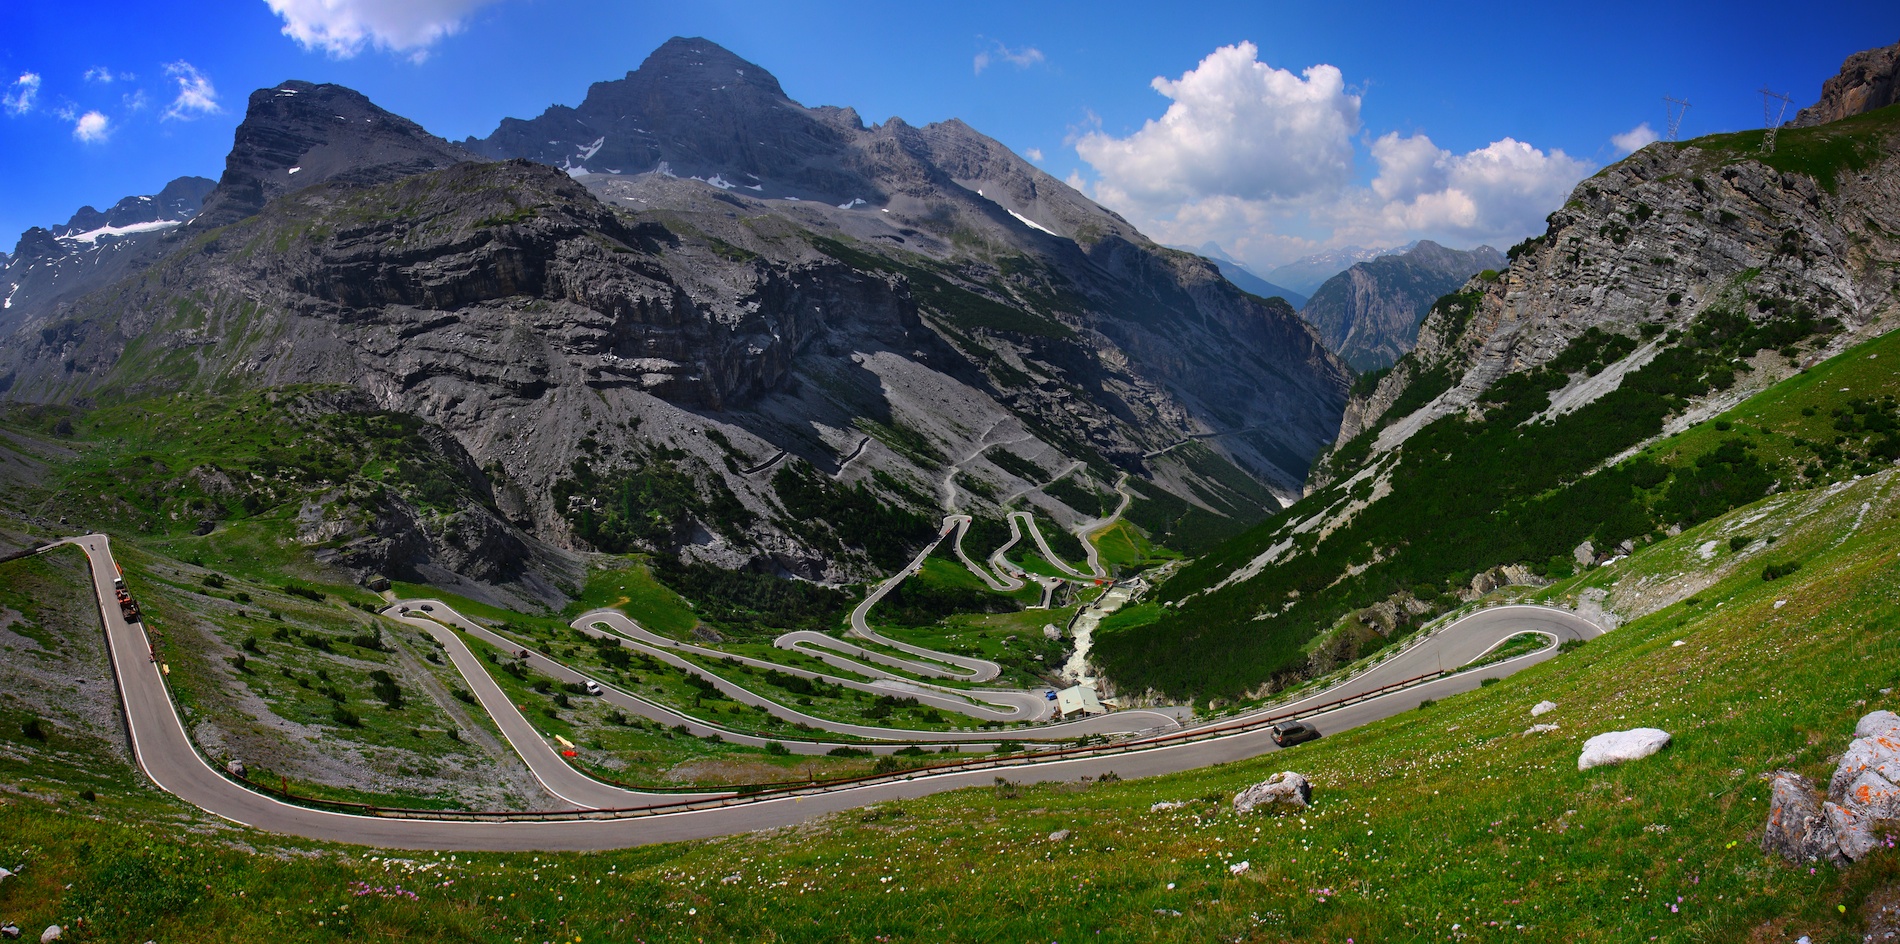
[(164, 751)]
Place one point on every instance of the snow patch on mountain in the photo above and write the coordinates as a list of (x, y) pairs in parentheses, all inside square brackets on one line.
[(1026, 221), (92, 235)]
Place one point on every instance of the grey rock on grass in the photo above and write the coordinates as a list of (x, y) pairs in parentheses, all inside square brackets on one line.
[(1285, 787)]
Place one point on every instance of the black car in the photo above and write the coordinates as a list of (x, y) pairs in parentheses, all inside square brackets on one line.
[(1289, 733)]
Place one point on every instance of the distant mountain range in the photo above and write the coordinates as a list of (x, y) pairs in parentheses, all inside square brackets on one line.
[(1244, 278), (1308, 273), (1369, 314), (688, 316)]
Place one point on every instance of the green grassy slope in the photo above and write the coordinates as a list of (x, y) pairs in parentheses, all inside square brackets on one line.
[(1445, 816)]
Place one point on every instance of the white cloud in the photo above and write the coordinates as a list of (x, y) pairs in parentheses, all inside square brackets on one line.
[(135, 101), (1236, 127), (105, 76), (1497, 193), (19, 96), (343, 28), (1263, 161), (92, 127), (1635, 139), (1020, 58), (1034, 154), (196, 96)]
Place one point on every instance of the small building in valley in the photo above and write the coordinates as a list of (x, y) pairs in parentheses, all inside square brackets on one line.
[(1078, 700)]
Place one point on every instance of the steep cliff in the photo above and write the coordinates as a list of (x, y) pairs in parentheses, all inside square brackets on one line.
[(1868, 80)]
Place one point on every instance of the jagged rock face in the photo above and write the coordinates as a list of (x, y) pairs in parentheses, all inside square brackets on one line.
[(1653, 241), (300, 134), (1206, 359), (1868, 80), (1369, 314), (701, 111)]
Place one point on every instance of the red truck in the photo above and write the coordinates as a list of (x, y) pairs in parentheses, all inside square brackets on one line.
[(128, 607)]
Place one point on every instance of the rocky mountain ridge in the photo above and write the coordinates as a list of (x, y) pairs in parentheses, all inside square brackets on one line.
[(1648, 244), (1867, 80), (1514, 440), (575, 333), (93, 248), (1369, 314), (1308, 273)]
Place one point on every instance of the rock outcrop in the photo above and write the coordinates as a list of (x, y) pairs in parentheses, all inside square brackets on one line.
[(1868, 80), (1797, 829), (1618, 747), (1844, 825), (1282, 789)]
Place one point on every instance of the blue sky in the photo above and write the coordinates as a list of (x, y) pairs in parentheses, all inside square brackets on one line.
[(1464, 125)]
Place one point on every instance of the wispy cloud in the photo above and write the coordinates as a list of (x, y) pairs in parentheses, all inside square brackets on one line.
[(1020, 58), (92, 127), (1034, 154), (101, 75), (343, 28), (19, 96), (196, 96)]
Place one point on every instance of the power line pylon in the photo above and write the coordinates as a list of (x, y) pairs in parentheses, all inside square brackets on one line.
[(1771, 116), (1676, 109)]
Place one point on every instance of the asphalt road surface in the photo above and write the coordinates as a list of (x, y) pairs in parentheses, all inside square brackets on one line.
[(165, 752)]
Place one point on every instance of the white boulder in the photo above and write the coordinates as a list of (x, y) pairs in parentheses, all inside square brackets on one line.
[(1539, 729), (51, 934), (1619, 746), (1542, 708), (1285, 787)]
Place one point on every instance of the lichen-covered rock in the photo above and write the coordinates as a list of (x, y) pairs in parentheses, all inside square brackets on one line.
[(1853, 829), (1879, 753), (1873, 794), (1797, 829), (1617, 747), (1284, 788), (1878, 724)]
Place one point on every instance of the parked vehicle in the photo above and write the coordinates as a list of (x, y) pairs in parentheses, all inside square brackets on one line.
[(593, 687), (1289, 733)]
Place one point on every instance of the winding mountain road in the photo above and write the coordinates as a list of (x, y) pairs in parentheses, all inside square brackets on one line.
[(164, 751)]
